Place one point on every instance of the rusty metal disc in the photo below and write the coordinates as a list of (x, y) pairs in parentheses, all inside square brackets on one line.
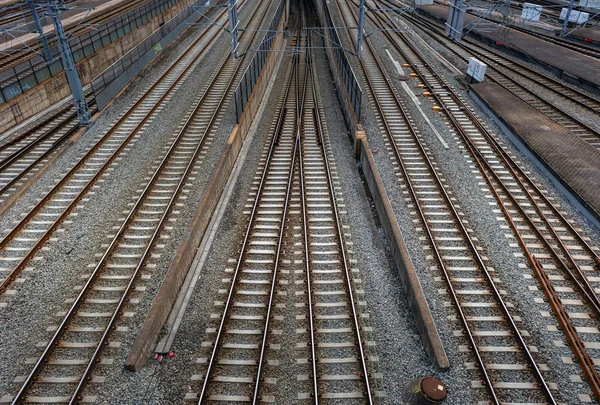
[(433, 389)]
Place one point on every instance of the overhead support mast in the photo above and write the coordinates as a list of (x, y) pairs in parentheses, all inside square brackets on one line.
[(506, 8), (566, 22), (456, 19), (53, 8), (361, 20), (40, 30), (233, 26)]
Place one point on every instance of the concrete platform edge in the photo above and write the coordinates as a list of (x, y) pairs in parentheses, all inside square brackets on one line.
[(141, 351), (564, 188), (412, 286)]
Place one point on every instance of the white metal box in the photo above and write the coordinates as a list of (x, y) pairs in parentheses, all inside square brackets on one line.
[(476, 69), (531, 12), (589, 3), (572, 17)]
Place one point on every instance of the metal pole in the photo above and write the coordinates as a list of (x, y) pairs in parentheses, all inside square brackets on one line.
[(287, 11), (233, 25), (456, 19), (83, 111), (506, 8), (566, 23), (40, 30), (361, 18)]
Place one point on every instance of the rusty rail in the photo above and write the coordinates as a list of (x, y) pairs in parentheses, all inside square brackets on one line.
[(38, 245), (578, 347)]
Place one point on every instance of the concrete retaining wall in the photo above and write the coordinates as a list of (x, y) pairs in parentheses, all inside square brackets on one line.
[(145, 342), (57, 88), (412, 287)]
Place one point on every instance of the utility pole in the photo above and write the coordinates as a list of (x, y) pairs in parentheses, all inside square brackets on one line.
[(233, 25), (506, 8), (287, 11), (456, 20), (566, 22), (83, 111), (361, 18), (40, 30)]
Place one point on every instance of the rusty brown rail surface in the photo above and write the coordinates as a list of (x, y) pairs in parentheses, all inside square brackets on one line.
[(585, 361)]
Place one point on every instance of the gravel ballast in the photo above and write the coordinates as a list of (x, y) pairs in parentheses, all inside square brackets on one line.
[(480, 211), (399, 352), (62, 265)]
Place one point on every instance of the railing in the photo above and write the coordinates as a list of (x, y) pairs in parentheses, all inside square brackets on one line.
[(246, 85), (18, 79), (153, 41), (345, 79)]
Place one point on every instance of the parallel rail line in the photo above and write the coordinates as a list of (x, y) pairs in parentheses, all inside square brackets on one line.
[(114, 278), (233, 370), (332, 310), (502, 71), (540, 227), (23, 242), (239, 366), (509, 371), (27, 153)]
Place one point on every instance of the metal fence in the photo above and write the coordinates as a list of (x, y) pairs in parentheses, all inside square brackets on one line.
[(248, 81), (346, 74), (18, 79), (153, 41)]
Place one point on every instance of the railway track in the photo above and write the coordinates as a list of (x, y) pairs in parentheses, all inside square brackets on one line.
[(9, 60), (577, 47), (580, 47), (503, 71), (551, 244), (294, 189), (130, 257), (18, 12), (23, 242), (508, 370), (26, 154)]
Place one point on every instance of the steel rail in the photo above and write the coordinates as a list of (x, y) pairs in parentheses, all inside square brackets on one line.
[(584, 286), (258, 380), (418, 20), (21, 265), (591, 105), (114, 242), (464, 232), (4, 189), (297, 150), (578, 347), (236, 272), (311, 320), (263, 347), (462, 316), (518, 174), (37, 125), (8, 160), (579, 350), (578, 278), (440, 33), (340, 236), (10, 60)]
